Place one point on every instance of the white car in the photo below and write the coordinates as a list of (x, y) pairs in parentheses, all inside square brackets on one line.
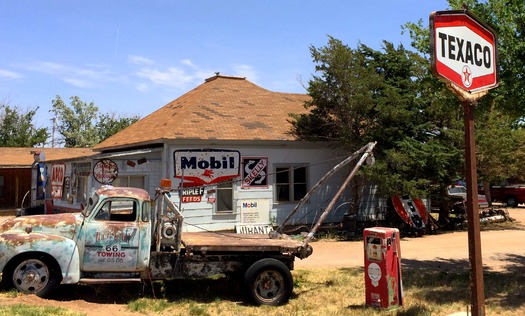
[(459, 190)]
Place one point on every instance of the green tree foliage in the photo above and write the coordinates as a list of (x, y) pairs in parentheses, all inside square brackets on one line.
[(81, 125), (109, 124), (77, 122), (500, 114), (361, 95), (17, 128)]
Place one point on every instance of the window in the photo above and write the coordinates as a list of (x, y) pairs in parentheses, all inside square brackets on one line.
[(224, 197), (290, 183), (2, 187), (146, 211), (129, 181), (81, 189), (118, 210)]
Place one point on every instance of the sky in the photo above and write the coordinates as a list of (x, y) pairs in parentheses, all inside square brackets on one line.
[(132, 57)]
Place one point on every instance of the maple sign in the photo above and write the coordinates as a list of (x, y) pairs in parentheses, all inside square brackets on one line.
[(463, 50)]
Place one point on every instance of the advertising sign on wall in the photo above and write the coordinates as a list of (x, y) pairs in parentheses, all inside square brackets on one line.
[(206, 166), (58, 171), (254, 172), (105, 171)]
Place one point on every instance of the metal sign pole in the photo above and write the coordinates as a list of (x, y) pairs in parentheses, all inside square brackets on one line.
[(477, 295), (469, 81)]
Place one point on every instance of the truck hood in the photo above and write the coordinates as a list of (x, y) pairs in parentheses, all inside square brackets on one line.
[(64, 225)]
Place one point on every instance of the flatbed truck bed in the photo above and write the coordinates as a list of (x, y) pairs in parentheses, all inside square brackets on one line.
[(232, 242)]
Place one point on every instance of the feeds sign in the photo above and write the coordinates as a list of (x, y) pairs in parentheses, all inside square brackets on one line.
[(463, 50)]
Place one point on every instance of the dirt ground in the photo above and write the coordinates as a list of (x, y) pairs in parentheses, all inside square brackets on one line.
[(501, 249)]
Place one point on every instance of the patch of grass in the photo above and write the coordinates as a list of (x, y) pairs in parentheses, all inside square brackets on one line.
[(342, 292), (145, 305), (29, 310)]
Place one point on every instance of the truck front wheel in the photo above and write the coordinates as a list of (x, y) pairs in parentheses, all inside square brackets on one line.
[(268, 282), (32, 274)]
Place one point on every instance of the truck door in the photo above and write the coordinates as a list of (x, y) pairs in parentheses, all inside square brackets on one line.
[(113, 237)]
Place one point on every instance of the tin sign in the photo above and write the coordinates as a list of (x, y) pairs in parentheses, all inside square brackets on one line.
[(463, 50), (206, 166)]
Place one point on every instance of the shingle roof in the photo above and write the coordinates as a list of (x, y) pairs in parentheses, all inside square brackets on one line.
[(16, 157), (222, 108)]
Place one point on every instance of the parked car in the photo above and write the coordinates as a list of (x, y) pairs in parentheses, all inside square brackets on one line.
[(459, 190), (456, 199), (511, 194)]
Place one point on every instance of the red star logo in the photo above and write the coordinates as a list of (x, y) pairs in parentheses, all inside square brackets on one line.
[(466, 76)]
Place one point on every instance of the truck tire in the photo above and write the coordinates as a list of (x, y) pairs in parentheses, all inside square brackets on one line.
[(268, 282), (33, 274), (512, 201)]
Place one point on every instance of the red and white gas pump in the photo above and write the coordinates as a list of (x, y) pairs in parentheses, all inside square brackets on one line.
[(383, 284)]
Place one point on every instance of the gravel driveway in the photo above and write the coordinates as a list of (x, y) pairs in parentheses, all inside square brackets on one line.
[(500, 249)]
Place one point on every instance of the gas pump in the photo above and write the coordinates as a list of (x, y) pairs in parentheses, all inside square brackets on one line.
[(383, 284)]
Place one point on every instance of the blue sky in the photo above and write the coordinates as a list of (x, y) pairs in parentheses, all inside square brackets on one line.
[(133, 57)]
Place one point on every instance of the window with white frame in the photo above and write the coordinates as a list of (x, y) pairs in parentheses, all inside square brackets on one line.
[(224, 203), (290, 183), (135, 181)]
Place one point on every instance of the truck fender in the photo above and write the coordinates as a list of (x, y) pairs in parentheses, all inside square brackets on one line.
[(63, 250)]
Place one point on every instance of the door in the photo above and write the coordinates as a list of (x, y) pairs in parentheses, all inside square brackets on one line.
[(112, 237)]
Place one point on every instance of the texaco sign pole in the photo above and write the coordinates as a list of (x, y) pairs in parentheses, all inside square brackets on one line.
[(464, 55)]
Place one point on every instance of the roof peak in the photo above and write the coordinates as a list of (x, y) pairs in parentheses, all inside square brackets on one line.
[(218, 75)]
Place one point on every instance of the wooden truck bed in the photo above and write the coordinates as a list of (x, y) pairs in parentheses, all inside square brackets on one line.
[(228, 242)]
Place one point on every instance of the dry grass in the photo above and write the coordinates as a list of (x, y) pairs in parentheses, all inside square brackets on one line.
[(317, 292), (341, 292)]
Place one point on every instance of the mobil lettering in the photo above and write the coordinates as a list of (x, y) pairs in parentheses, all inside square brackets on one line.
[(249, 204), (211, 163)]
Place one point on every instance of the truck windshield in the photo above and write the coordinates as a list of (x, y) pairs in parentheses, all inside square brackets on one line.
[(90, 205)]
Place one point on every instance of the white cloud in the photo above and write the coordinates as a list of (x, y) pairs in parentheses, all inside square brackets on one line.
[(142, 87), (247, 71), (83, 77), (171, 77), (182, 77), (78, 82), (140, 60), (187, 62), (9, 74)]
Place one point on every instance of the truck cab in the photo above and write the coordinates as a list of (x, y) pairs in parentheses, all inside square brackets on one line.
[(110, 237)]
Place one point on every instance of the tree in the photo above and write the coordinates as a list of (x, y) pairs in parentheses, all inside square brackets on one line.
[(17, 128), (109, 124), (498, 135), (362, 95), (76, 123), (81, 125)]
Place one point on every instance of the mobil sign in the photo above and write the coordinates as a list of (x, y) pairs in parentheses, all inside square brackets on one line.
[(206, 166), (463, 50)]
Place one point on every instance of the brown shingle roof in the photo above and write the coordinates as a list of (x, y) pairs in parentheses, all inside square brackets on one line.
[(22, 157), (222, 108)]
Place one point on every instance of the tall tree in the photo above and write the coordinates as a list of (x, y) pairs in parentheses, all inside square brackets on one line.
[(17, 127), (361, 95), (81, 125), (111, 123), (76, 123)]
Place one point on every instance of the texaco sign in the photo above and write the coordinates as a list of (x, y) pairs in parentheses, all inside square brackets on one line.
[(463, 50)]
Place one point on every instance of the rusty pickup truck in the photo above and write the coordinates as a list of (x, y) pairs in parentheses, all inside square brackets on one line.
[(122, 235)]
